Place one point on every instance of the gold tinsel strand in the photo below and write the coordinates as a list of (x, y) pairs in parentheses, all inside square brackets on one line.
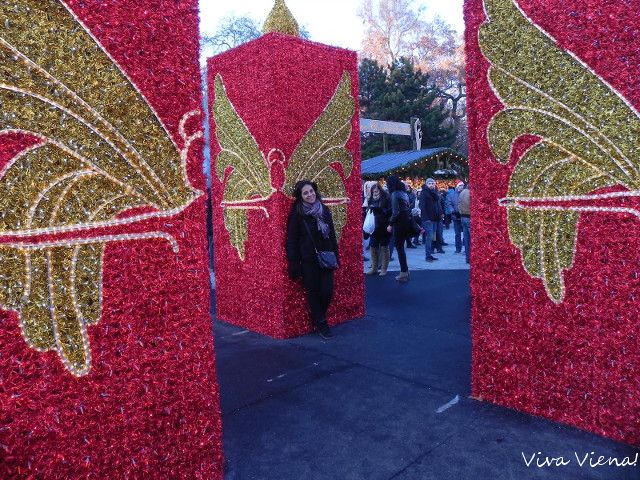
[(281, 20)]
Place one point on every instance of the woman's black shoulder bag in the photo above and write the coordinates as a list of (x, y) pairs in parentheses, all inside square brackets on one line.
[(326, 258)]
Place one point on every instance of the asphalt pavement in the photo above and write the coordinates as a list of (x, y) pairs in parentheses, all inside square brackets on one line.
[(388, 398)]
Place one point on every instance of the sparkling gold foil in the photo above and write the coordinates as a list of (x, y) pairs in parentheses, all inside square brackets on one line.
[(35, 312), (250, 177), (49, 57), (324, 145), (589, 138), (69, 330), (281, 20), (13, 277)]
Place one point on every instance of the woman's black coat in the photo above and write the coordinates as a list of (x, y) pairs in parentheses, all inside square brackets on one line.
[(300, 247), (381, 212)]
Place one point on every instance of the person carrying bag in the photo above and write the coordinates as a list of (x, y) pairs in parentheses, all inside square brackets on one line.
[(312, 251), (369, 224), (326, 258), (380, 208)]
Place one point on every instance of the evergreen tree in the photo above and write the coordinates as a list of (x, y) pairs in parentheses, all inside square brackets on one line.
[(373, 86), (406, 92), (372, 79)]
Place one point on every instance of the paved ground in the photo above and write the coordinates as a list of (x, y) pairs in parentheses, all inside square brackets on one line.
[(415, 257), (386, 398)]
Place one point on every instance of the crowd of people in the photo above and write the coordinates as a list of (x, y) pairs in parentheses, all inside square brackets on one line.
[(408, 218), (395, 216)]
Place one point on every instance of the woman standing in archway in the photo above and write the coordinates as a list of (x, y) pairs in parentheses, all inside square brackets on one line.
[(310, 230)]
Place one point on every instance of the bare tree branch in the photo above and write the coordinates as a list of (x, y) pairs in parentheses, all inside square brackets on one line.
[(234, 31)]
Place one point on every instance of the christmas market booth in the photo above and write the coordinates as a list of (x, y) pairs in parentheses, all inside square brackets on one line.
[(416, 165)]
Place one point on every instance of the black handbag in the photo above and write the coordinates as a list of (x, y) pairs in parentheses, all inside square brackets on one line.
[(326, 258)]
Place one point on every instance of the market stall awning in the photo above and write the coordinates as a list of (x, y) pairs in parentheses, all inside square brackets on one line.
[(389, 163)]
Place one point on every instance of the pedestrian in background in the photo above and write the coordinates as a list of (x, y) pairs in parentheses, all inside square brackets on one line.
[(442, 194), (366, 191), (400, 222), (464, 206), (380, 204), (412, 201), (431, 214), (448, 208), (452, 205)]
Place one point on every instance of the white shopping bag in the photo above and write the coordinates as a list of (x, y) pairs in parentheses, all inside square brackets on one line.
[(369, 222)]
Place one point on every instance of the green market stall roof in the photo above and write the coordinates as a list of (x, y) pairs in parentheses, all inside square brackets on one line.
[(396, 162)]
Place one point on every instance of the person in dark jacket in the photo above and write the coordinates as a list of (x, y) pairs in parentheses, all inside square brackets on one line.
[(448, 207), (412, 202), (452, 207), (310, 228), (380, 203), (400, 222), (439, 227), (431, 214)]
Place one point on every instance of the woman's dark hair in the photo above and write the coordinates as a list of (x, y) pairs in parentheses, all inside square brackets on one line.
[(395, 184), (380, 189), (297, 193)]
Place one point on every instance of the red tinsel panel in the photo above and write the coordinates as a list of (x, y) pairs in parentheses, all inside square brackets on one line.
[(146, 405), (556, 338), (279, 85)]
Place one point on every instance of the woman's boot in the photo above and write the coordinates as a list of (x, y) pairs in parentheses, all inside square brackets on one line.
[(384, 260), (374, 261)]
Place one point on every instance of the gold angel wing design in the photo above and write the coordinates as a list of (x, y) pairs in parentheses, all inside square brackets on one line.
[(102, 150), (323, 148), (248, 179), (589, 139)]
